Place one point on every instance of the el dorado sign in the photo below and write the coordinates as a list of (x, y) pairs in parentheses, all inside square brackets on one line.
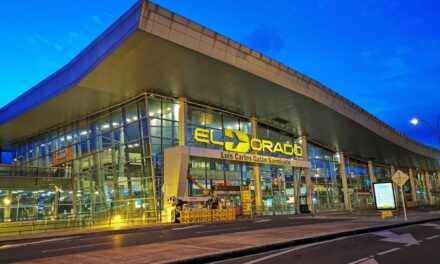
[(239, 141)]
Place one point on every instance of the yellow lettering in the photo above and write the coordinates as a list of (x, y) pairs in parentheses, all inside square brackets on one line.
[(212, 140), (267, 145), (256, 144), (288, 149), (278, 148), (298, 151), (201, 135)]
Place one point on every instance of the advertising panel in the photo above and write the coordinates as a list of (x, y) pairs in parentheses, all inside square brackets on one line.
[(62, 156), (384, 196)]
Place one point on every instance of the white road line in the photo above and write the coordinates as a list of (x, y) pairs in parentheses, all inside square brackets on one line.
[(219, 230), (263, 220), (359, 261), (294, 249), (387, 251), (186, 227), (62, 249), (429, 238), (37, 242)]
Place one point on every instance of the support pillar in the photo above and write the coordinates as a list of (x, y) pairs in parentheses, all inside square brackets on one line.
[(256, 171), (438, 180), (395, 187), (371, 174), (182, 120), (428, 186), (7, 203), (309, 185), (413, 185), (347, 202)]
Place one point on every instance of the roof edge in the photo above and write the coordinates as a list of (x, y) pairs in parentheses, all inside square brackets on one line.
[(161, 22), (75, 70)]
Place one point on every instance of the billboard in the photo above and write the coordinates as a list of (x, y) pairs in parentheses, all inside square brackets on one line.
[(384, 196), (62, 156)]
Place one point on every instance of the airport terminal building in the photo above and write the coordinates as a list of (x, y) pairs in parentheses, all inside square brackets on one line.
[(159, 107)]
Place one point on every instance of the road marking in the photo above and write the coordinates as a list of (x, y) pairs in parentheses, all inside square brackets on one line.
[(436, 226), (387, 251), (220, 230), (429, 238), (186, 227), (359, 261), (62, 249), (294, 249), (369, 261), (263, 220), (36, 242), (406, 238)]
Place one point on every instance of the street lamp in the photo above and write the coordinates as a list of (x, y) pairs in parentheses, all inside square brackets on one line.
[(435, 129)]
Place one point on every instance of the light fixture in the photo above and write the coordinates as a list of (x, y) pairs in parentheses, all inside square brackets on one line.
[(6, 202), (415, 121)]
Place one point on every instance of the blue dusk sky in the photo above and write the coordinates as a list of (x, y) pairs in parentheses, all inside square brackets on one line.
[(382, 55)]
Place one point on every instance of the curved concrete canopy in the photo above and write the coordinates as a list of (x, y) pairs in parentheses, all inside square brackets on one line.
[(150, 49)]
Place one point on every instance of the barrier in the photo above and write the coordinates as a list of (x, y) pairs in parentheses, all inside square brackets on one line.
[(206, 215)]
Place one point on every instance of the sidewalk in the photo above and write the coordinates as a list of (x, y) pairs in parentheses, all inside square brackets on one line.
[(211, 248)]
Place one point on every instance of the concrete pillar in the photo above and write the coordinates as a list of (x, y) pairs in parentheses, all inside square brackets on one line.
[(428, 186), (371, 174), (413, 185), (395, 187), (176, 162), (309, 185), (7, 203), (347, 202), (256, 171), (182, 120), (438, 179)]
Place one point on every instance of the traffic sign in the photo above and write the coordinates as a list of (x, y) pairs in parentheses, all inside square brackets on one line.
[(400, 178)]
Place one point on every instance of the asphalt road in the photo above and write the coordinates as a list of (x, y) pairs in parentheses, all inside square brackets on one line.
[(411, 244), (71, 245)]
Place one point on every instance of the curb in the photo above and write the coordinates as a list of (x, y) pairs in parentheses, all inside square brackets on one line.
[(104, 232), (290, 243)]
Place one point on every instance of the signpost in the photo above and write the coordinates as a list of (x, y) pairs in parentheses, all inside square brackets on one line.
[(400, 179)]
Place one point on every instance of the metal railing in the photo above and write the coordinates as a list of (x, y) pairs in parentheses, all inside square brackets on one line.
[(13, 171), (110, 220)]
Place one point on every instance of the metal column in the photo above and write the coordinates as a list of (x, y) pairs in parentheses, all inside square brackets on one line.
[(413, 186), (309, 185), (428, 186), (256, 172), (347, 202)]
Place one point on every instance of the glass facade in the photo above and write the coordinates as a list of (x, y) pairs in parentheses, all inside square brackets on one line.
[(382, 173), (421, 192), (359, 184), (106, 155), (435, 187), (112, 163), (326, 178)]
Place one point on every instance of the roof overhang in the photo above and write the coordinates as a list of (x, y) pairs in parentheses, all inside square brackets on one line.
[(140, 59)]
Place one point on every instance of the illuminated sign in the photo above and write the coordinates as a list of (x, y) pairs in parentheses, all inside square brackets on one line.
[(384, 196), (239, 141), (62, 156)]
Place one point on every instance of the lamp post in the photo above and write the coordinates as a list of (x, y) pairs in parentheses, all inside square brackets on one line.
[(435, 129)]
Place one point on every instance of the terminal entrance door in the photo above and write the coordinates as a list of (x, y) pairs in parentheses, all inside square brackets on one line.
[(280, 189), (222, 179)]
